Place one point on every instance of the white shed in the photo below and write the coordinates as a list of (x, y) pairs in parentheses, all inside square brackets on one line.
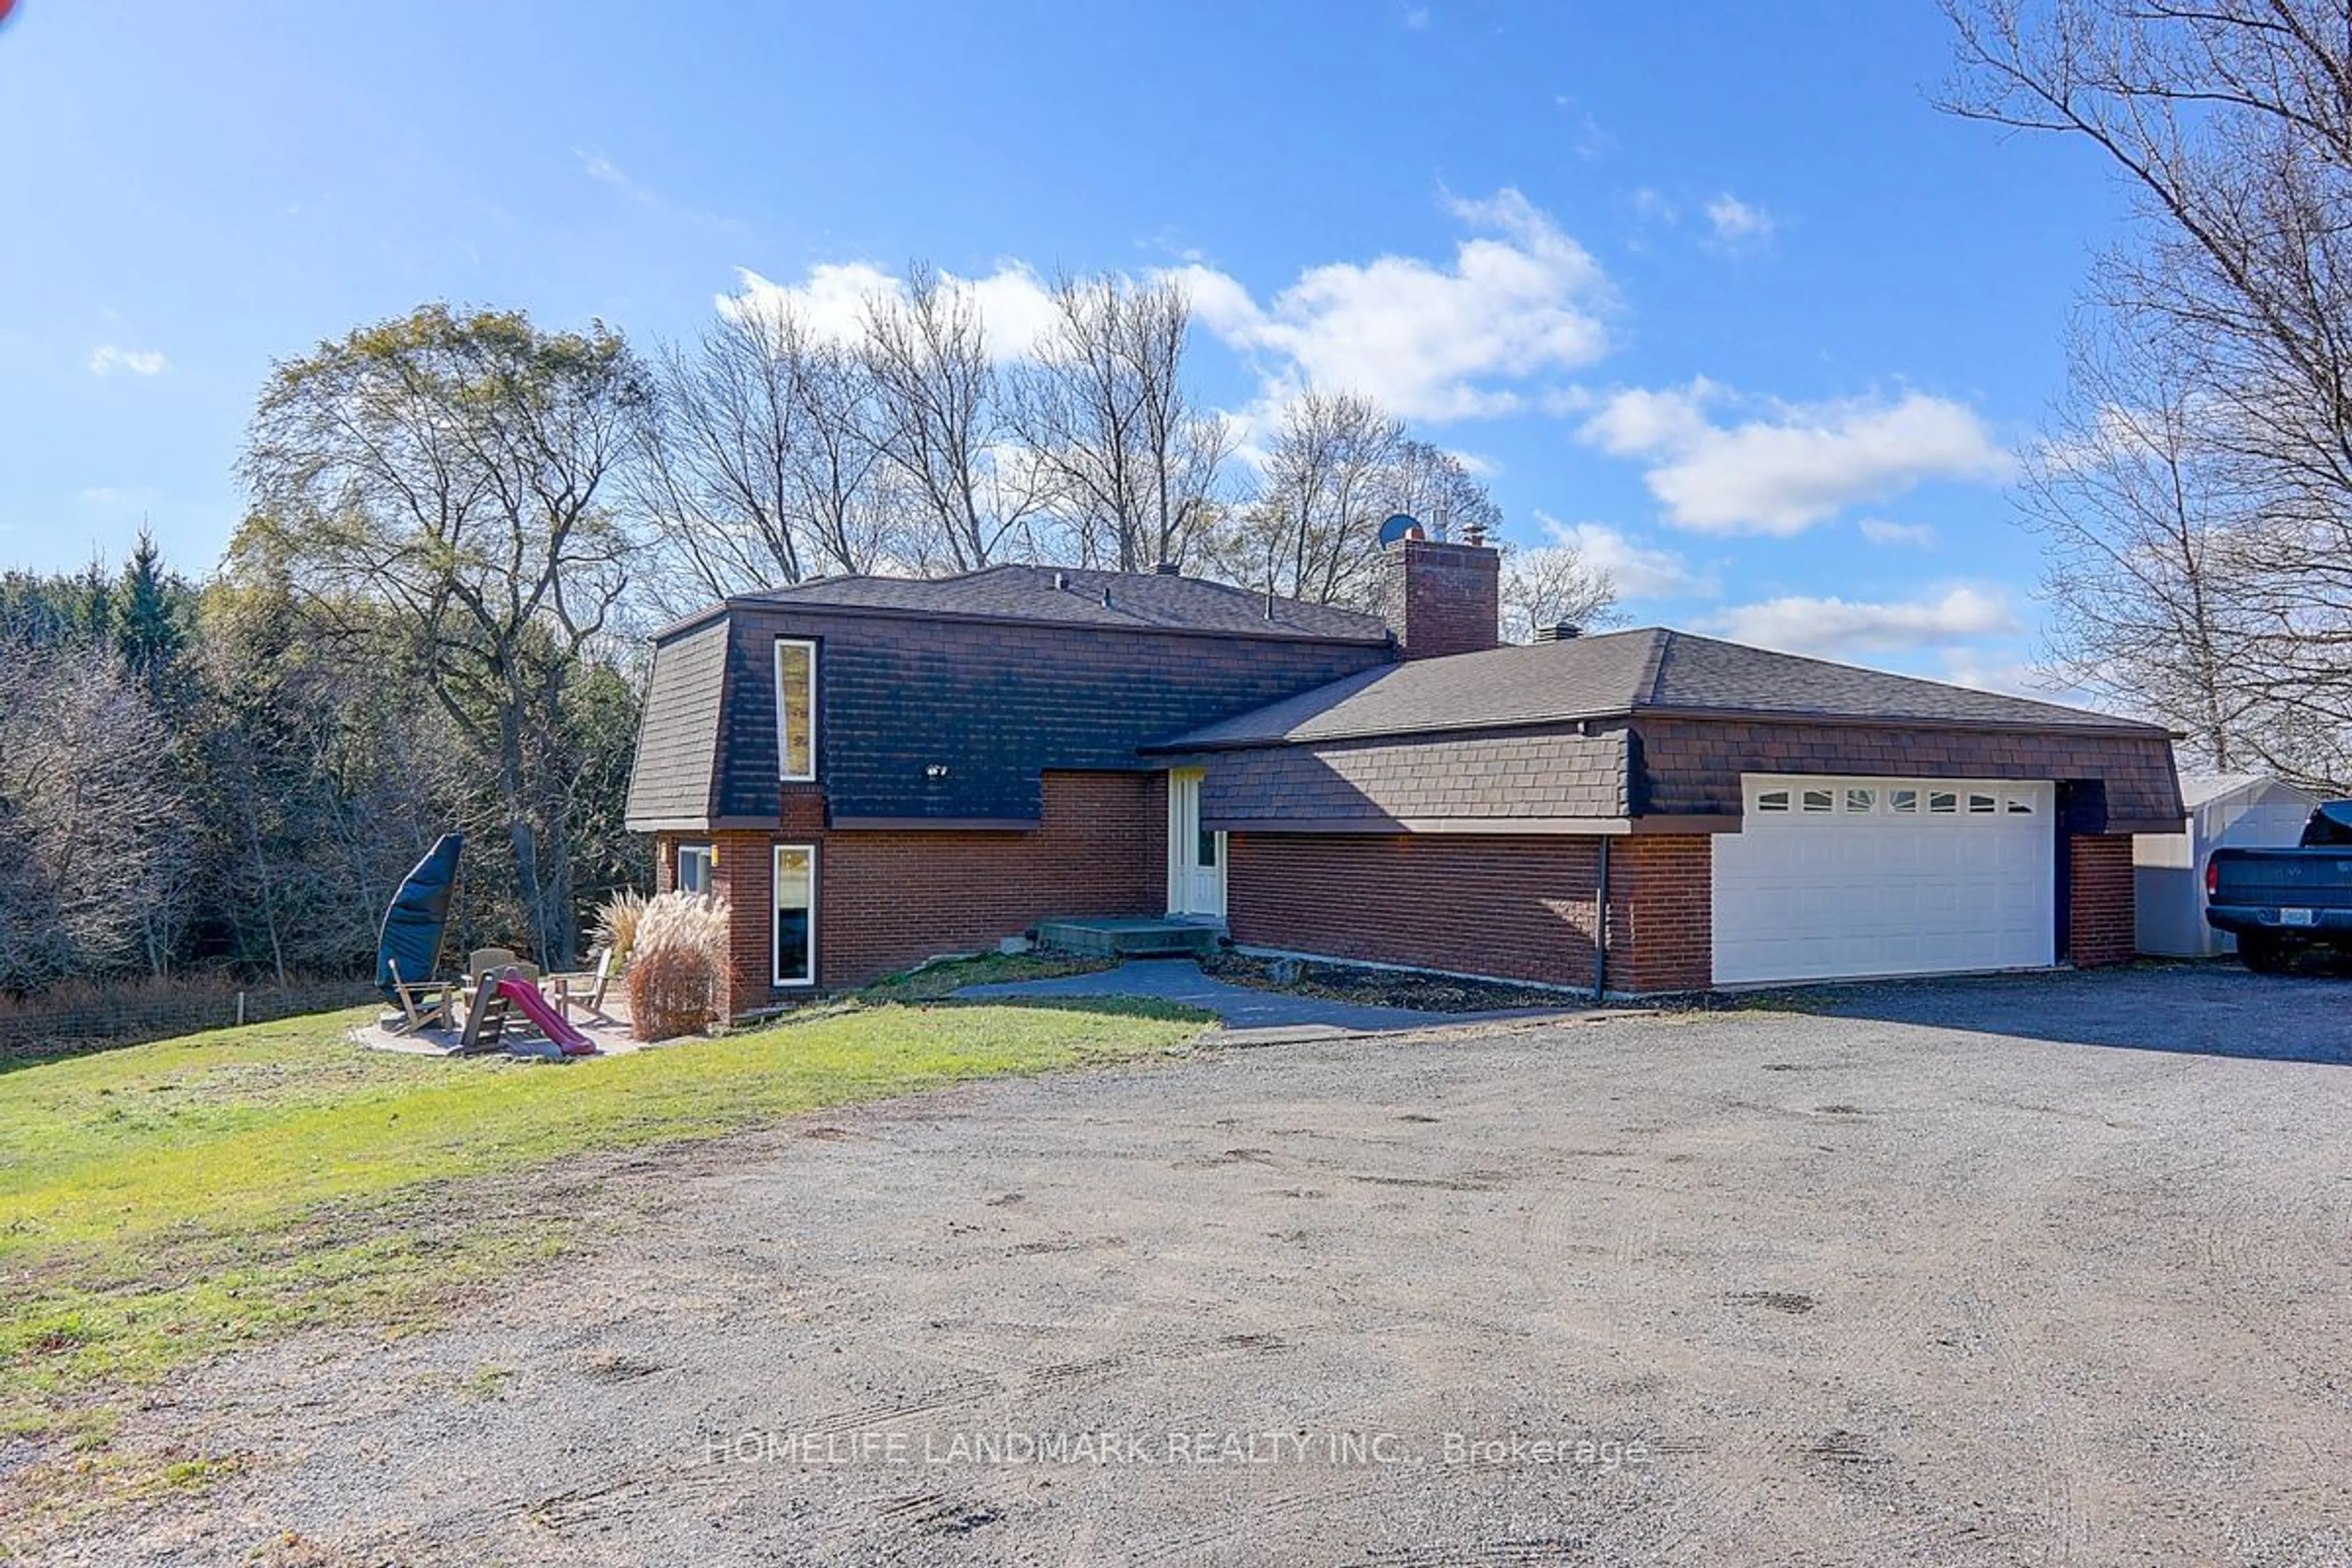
[(2247, 810)]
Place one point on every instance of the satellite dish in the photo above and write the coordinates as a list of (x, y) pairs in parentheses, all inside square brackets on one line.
[(1400, 526)]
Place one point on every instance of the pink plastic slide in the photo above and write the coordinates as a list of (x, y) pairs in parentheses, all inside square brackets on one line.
[(526, 998)]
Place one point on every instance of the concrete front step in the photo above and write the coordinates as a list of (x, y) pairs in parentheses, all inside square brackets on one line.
[(1128, 938)]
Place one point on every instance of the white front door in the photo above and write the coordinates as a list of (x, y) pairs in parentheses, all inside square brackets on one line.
[(1832, 879), (1196, 858)]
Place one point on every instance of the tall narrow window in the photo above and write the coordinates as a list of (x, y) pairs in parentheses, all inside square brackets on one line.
[(796, 709), (795, 914), (694, 869)]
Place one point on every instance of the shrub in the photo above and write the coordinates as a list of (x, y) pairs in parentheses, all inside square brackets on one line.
[(616, 926), (677, 965)]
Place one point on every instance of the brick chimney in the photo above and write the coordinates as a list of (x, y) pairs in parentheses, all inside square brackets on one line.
[(1442, 598)]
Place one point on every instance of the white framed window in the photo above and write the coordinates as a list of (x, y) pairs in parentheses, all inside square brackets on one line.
[(1943, 803), (1818, 800), (795, 888), (1902, 802), (796, 709), (2019, 804), (1982, 806), (1860, 802), (1772, 800), (694, 864)]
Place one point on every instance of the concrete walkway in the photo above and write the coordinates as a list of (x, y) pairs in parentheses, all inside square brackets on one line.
[(1242, 1007)]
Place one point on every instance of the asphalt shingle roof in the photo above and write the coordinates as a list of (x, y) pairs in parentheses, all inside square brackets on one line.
[(1136, 602), (1651, 670)]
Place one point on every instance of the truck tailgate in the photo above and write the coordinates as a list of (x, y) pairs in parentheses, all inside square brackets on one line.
[(2275, 878)]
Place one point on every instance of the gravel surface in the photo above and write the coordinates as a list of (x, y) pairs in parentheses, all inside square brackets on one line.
[(1934, 1282)]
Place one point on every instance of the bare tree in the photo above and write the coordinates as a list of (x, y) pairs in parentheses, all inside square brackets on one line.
[(1313, 532), (1554, 585), (1436, 489), (96, 865), (1132, 468), (758, 459), (2141, 529), (2230, 122), (944, 429)]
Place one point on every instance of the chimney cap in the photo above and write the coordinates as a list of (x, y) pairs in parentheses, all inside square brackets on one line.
[(1167, 569)]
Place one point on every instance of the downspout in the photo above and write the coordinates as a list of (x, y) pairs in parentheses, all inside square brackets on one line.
[(1600, 927)]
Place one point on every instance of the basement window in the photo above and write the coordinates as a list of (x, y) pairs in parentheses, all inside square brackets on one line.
[(796, 709)]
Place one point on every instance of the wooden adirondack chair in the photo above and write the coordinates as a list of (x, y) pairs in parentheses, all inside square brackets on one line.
[(423, 1002), (594, 983)]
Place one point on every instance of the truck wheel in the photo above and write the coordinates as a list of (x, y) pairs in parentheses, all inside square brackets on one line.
[(2261, 953)]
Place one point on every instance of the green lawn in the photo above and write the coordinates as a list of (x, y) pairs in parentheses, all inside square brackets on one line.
[(162, 1202)]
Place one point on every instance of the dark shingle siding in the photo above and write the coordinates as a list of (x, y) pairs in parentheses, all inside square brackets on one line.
[(1465, 779), (995, 703), (670, 783), (1692, 766)]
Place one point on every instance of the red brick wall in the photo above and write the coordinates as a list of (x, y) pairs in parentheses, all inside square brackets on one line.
[(888, 898), (744, 876), (1442, 598), (1662, 912), (2100, 914), (1516, 907)]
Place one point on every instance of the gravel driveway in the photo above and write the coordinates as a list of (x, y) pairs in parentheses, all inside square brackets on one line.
[(1935, 1280)]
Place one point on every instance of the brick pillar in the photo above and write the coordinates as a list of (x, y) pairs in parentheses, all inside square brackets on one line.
[(2100, 909), (1661, 913), (743, 877)]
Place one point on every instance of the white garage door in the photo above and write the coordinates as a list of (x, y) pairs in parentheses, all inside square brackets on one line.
[(1835, 878)]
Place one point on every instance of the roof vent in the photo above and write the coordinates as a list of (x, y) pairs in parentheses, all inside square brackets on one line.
[(1061, 581), (1106, 596), (1559, 631), (1166, 569)]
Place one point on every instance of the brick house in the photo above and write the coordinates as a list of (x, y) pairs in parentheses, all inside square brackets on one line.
[(874, 770)]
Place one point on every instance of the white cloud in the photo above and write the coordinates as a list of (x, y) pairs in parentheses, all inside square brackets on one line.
[(1431, 342), (1878, 530), (1738, 223), (1417, 17), (106, 359), (1428, 342), (1639, 571), (1015, 305), (1834, 627), (1795, 464)]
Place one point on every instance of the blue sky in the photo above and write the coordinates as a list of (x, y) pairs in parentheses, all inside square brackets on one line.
[(1708, 288)]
